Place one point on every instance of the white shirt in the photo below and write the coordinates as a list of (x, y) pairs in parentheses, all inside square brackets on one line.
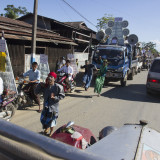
[(68, 70), (1, 86)]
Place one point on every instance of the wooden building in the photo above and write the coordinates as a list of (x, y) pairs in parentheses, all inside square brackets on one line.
[(77, 31), (19, 34)]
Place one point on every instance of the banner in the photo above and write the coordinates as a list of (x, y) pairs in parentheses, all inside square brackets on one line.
[(7, 73), (2, 61)]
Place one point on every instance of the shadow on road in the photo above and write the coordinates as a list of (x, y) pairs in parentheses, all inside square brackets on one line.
[(133, 92), (79, 96)]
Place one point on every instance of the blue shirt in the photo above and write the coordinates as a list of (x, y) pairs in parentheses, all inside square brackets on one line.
[(33, 75)]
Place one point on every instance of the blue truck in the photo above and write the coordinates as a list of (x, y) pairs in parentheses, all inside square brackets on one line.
[(122, 64)]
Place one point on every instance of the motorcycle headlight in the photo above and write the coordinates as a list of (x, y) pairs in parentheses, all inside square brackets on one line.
[(21, 94)]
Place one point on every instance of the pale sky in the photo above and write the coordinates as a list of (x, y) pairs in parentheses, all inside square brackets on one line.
[(142, 15)]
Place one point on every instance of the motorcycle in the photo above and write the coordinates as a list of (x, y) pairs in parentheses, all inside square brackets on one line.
[(8, 104), (23, 98), (61, 77)]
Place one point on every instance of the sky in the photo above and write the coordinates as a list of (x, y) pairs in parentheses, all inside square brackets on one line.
[(143, 15)]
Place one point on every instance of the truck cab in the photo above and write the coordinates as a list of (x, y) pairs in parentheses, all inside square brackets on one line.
[(119, 61)]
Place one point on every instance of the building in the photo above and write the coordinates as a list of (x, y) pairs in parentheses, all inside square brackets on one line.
[(19, 35)]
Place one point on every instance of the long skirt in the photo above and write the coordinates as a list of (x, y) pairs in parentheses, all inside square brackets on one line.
[(48, 119), (99, 84)]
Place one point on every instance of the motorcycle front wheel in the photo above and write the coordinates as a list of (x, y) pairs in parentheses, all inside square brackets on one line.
[(10, 111)]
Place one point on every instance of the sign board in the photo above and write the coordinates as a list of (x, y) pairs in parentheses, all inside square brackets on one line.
[(2, 61), (73, 63), (42, 67), (118, 19), (2, 45), (43, 59), (149, 153)]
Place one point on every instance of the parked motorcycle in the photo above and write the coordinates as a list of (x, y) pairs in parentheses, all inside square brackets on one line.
[(8, 105), (61, 77), (23, 98)]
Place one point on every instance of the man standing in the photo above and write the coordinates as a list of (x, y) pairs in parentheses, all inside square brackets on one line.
[(52, 92), (87, 78), (34, 79), (69, 72)]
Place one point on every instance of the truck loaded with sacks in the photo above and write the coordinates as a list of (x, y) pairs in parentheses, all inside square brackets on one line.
[(119, 49)]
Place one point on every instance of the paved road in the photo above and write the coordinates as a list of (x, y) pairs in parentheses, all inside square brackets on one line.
[(116, 106)]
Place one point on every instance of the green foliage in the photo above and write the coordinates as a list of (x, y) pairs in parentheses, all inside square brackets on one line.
[(13, 12), (149, 45), (102, 22)]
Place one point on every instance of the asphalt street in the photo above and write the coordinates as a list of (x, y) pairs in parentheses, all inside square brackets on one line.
[(116, 106)]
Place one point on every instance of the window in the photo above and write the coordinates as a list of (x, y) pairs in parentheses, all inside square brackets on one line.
[(155, 66)]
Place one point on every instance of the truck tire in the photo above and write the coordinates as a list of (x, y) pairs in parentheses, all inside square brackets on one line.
[(130, 76), (123, 82)]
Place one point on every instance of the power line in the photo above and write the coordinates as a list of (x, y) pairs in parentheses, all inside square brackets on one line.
[(78, 13)]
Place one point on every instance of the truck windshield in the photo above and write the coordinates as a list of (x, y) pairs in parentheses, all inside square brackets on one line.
[(114, 56), (109, 53)]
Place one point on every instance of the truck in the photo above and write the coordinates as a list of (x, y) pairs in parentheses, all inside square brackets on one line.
[(121, 64), (119, 50)]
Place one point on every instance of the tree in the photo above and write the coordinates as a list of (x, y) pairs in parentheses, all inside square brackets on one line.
[(13, 12), (102, 22), (150, 46)]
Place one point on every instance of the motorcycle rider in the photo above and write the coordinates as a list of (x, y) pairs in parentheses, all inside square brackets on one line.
[(69, 72), (34, 79)]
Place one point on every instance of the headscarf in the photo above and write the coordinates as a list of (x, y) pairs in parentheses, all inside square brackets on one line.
[(53, 74)]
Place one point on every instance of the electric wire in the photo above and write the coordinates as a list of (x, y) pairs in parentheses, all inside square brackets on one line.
[(78, 13)]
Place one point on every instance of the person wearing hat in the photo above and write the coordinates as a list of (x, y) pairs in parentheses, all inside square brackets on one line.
[(101, 78), (53, 93)]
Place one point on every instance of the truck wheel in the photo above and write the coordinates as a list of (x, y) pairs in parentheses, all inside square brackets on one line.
[(130, 76), (123, 82)]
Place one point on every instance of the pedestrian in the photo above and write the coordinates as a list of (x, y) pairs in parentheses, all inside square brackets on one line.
[(34, 79), (100, 78), (53, 93), (87, 78)]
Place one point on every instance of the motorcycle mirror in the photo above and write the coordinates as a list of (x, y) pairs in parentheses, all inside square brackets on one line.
[(69, 124)]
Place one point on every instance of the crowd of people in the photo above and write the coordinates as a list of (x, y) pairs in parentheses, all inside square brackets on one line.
[(54, 92)]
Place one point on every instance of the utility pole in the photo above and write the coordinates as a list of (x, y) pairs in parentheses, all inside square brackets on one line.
[(34, 32)]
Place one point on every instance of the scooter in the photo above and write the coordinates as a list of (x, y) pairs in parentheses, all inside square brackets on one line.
[(23, 99), (61, 77), (8, 105)]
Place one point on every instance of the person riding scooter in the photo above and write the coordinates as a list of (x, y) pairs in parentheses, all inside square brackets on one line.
[(69, 72), (34, 79)]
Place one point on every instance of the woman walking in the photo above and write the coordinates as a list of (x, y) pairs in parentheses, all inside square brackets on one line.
[(100, 78)]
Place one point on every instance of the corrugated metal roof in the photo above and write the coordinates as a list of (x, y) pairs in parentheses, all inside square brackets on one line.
[(21, 30)]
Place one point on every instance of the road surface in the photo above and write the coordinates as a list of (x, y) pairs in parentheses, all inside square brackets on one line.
[(116, 106)]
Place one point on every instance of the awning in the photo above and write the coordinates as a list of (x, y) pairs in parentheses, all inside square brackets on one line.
[(9, 36)]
